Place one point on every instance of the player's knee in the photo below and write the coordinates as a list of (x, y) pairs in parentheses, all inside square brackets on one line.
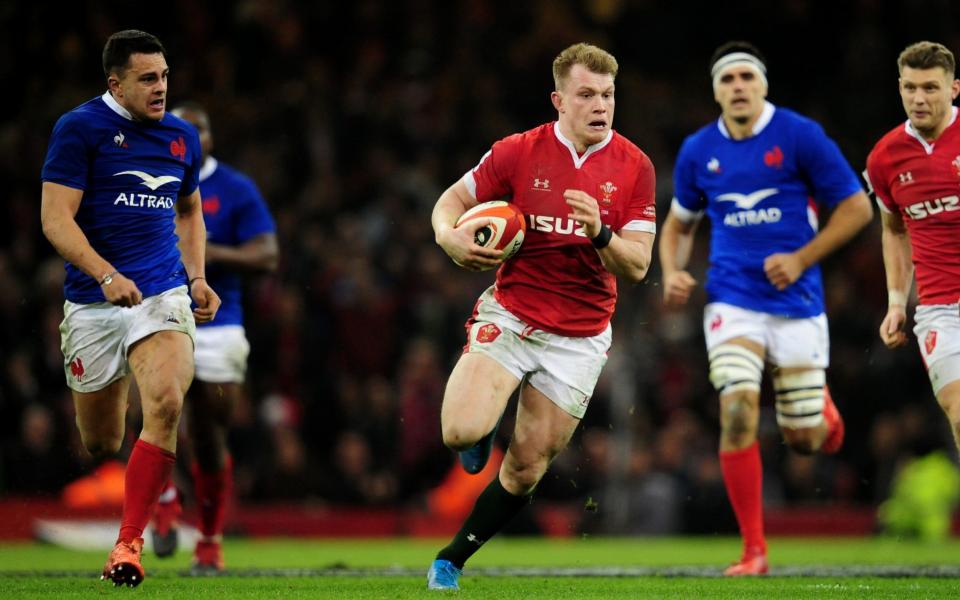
[(803, 441), (800, 400), (735, 369), (101, 447), (459, 437), (521, 477), (738, 418), (164, 408)]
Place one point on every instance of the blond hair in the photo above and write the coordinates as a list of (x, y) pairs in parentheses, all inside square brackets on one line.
[(596, 60), (927, 55)]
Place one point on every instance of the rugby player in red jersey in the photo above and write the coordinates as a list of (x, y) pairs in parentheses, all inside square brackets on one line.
[(588, 197), (915, 173)]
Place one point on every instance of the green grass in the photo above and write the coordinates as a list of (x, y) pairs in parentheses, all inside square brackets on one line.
[(22, 568)]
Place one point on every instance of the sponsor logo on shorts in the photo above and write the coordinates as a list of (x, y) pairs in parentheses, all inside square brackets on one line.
[(76, 369), (488, 333), (931, 341), (172, 319)]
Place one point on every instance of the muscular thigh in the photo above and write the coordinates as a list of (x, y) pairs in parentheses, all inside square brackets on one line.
[(162, 361), (101, 414), (542, 429), (477, 391)]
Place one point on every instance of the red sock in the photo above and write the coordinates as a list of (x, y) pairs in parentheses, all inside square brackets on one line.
[(168, 493), (743, 478), (148, 472), (212, 491)]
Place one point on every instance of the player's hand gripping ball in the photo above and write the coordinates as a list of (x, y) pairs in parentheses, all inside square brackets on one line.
[(505, 231)]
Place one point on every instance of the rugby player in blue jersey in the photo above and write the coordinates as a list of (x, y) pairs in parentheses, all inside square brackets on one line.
[(241, 238), (121, 203), (758, 173)]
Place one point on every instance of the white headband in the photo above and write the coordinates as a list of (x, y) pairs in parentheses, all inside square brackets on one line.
[(737, 59)]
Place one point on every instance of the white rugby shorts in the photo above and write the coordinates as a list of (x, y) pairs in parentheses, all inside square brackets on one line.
[(95, 338), (938, 334), (565, 369), (221, 354), (803, 342)]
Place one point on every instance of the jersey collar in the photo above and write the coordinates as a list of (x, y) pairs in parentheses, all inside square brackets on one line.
[(579, 160), (908, 128), (110, 101), (209, 166), (766, 115)]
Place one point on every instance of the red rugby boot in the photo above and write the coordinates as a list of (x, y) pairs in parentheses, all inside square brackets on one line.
[(123, 565), (753, 562)]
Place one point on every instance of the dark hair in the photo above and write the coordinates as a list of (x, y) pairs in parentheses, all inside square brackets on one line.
[(736, 46), (119, 47), (927, 55)]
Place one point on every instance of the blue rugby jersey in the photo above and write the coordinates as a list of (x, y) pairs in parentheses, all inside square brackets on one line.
[(131, 173), (761, 196), (234, 212)]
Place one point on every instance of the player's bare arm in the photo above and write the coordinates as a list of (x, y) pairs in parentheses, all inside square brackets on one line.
[(192, 234), (458, 242), (58, 209), (259, 254), (676, 243), (898, 266), (627, 255), (850, 216)]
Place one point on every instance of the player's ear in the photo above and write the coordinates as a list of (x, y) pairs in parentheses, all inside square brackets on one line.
[(557, 99), (113, 84), (955, 88)]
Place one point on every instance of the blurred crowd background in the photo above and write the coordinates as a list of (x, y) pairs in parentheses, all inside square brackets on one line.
[(352, 117)]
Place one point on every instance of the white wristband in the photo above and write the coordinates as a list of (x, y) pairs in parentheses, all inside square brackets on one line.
[(896, 298)]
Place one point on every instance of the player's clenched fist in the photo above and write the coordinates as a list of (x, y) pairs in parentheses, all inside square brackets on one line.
[(891, 329), (677, 287)]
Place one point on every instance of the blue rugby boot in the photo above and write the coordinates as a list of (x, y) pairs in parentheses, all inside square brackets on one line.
[(443, 576), (475, 458)]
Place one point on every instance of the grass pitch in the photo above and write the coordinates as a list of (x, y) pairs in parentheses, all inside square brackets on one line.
[(509, 568)]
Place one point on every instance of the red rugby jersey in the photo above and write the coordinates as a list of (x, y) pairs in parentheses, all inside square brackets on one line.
[(556, 282), (921, 181)]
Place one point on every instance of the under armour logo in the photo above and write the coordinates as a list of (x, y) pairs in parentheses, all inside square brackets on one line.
[(474, 539), (541, 184), (906, 177)]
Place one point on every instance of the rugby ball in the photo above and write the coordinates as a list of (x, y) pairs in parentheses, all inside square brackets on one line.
[(505, 231)]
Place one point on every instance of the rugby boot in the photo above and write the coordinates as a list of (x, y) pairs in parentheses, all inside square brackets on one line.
[(208, 557), (753, 562), (475, 458), (835, 429), (164, 531), (443, 576), (123, 565)]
